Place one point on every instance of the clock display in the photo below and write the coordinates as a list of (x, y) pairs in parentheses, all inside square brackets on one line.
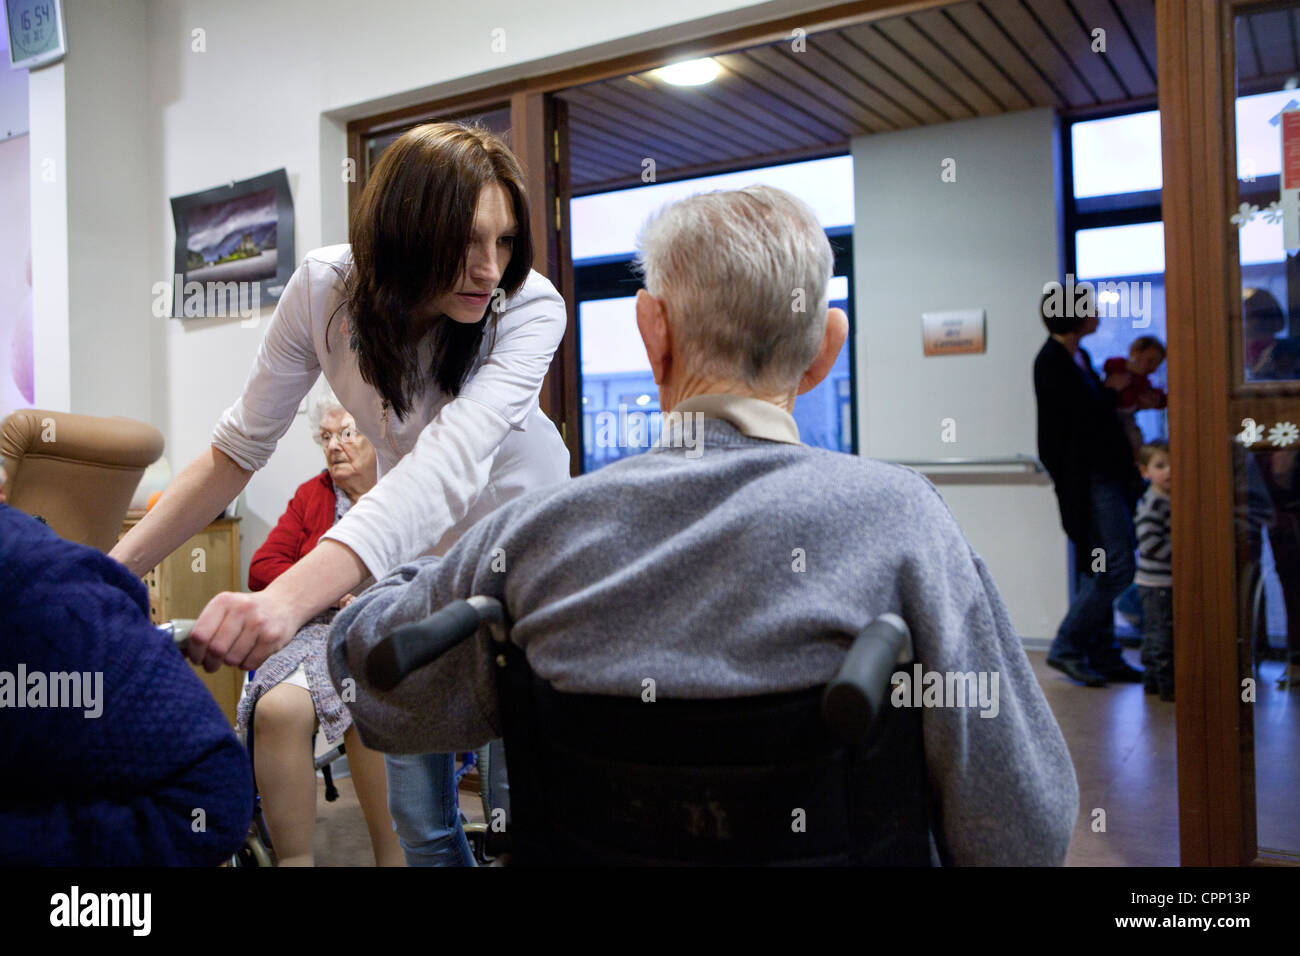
[(35, 32)]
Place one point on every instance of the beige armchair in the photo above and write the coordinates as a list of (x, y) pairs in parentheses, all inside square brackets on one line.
[(77, 472)]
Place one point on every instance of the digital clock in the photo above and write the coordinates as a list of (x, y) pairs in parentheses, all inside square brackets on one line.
[(36, 35)]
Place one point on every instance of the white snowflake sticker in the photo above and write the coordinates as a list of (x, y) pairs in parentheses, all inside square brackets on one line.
[(1244, 214), (1283, 434), (1273, 213)]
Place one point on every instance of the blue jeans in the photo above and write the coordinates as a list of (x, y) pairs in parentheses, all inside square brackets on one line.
[(1158, 636), (1087, 634), (1130, 606), (425, 805)]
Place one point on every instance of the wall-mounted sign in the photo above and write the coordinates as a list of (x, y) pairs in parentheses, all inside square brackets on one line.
[(959, 332)]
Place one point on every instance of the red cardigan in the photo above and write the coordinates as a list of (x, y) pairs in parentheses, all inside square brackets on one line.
[(309, 515)]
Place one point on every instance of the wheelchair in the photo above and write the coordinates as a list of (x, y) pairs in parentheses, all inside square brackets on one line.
[(824, 776)]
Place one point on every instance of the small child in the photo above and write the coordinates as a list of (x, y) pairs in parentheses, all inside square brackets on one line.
[(1154, 576), (1145, 355)]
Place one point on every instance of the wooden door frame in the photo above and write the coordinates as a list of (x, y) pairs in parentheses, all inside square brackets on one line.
[(1197, 97), (539, 135)]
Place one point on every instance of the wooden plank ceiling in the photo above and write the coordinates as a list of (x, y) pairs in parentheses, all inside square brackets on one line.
[(1268, 50), (770, 103)]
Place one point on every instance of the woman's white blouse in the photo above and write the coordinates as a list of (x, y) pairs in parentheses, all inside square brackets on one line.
[(451, 461)]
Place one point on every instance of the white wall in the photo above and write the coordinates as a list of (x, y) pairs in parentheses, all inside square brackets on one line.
[(91, 193), (15, 293), (987, 240), (47, 155), (15, 235), (13, 96), (145, 108), (110, 191)]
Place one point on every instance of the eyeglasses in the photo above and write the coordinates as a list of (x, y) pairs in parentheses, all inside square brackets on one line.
[(348, 434)]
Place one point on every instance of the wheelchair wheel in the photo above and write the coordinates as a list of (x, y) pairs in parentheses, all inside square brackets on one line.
[(476, 834), (253, 852)]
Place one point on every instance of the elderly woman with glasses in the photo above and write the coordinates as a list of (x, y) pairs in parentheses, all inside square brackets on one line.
[(292, 689)]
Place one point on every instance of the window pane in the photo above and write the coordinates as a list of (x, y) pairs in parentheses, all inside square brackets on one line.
[(825, 414), (1259, 146), (1126, 265), (1134, 250), (606, 224), (1120, 154), (1130, 307), (1270, 347), (620, 401)]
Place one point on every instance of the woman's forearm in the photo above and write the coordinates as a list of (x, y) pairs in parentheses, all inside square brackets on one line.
[(189, 504), (317, 581), (243, 630)]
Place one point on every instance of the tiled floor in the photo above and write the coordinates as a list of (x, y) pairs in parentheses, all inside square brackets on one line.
[(341, 838), (1122, 743)]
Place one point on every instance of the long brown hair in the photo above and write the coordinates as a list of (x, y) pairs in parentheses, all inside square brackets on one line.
[(410, 239)]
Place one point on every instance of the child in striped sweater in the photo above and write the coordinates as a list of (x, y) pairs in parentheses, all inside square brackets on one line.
[(1154, 577)]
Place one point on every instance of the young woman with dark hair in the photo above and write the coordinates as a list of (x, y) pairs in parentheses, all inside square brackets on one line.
[(435, 334)]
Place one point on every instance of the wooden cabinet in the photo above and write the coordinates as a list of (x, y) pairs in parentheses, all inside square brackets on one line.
[(187, 579)]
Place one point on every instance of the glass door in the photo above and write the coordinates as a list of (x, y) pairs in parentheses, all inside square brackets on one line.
[(1265, 411)]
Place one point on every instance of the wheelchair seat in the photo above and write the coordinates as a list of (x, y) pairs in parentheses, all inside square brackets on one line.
[(598, 780), (823, 776)]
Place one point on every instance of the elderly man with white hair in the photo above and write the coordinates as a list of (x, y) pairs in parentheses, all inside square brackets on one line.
[(681, 563)]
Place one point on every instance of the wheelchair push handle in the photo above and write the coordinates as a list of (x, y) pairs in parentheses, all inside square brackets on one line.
[(854, 698), (411, 646), (178, 630)]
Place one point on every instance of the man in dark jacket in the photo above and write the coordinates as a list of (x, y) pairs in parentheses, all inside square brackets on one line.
[(1082, 444), (112, 751)]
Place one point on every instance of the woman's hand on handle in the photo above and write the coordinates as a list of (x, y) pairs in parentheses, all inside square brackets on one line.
[(243, 630)]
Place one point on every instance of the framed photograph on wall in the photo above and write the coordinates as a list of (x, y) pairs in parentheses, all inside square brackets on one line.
[(234, 247)]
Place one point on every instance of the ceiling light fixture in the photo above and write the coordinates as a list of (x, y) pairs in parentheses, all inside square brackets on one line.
[(690, 72)]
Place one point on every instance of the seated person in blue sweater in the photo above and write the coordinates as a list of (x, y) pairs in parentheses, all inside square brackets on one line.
[(113, 751), (732, 560)]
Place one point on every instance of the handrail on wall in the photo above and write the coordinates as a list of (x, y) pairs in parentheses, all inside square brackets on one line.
[(1033, 464)]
